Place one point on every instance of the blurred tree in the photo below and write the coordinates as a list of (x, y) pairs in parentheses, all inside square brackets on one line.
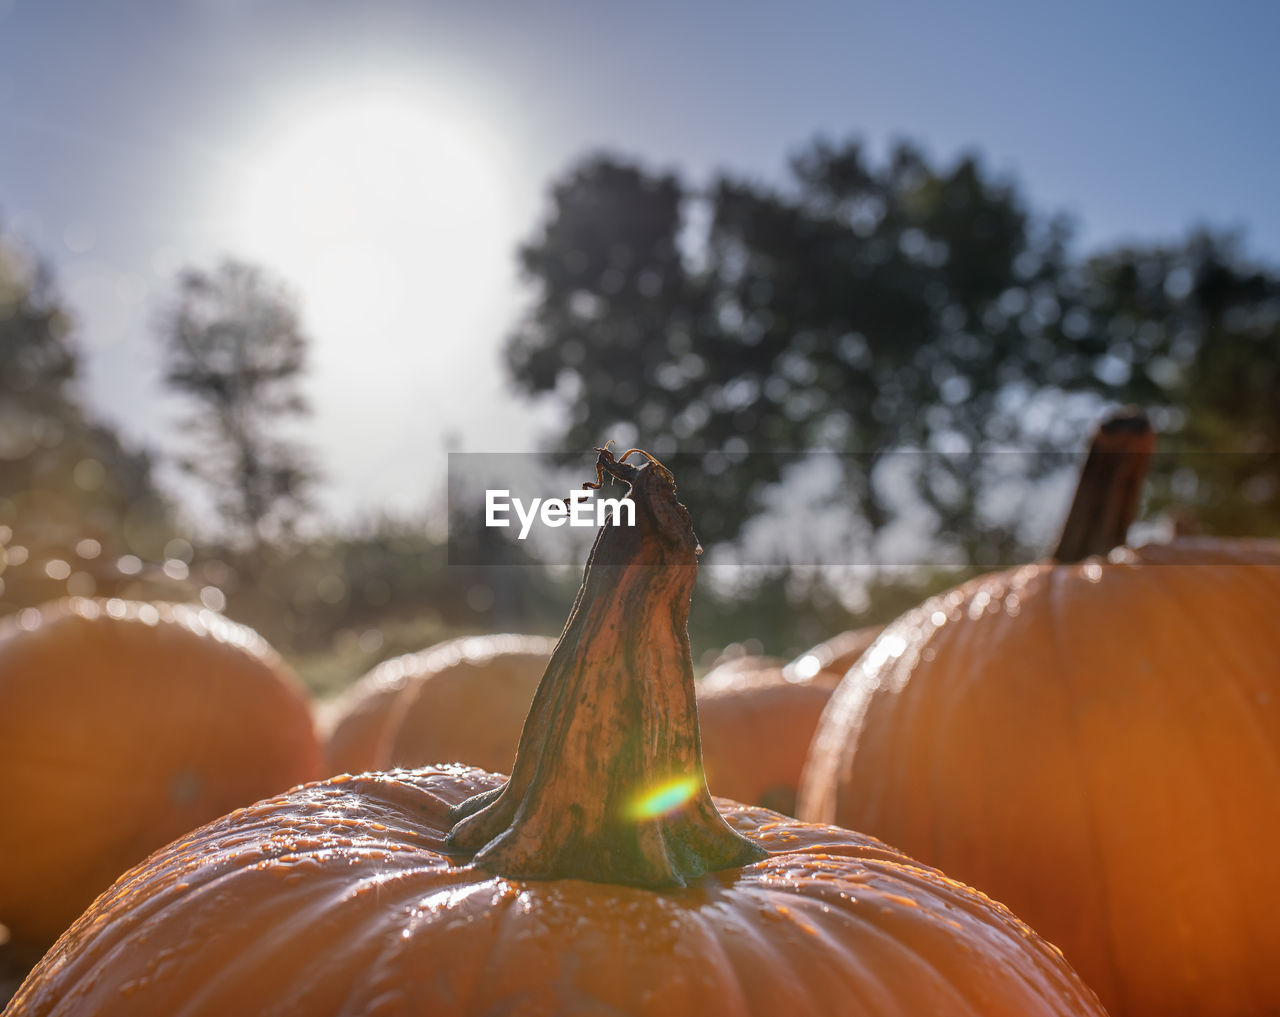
[(1194, 327), (338, 601), (902, 314), (73, 497), (861, 309), (233, 345)]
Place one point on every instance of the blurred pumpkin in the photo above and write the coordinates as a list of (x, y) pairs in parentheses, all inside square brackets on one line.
[(756, 727), (123, 725), (758, 716), (600, 878), (1095, 743), (735, 658), (833, 658), (463, 700), (353, 726), (466, 702)]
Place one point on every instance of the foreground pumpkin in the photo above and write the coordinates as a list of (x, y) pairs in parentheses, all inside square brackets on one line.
[(463, 700), (600, 878), (123, 725), (1096, 743)]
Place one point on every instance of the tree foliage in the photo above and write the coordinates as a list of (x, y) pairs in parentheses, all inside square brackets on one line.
[(73, 496), (234, 347), (1194, 328), (870, 308)]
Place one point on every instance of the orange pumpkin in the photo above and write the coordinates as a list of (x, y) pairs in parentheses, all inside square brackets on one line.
[(354, 726), (600, 878), (123, 725), (463, 700), (466, 702), (758, 716), (833, 658), (756, 727), (1095, 743)]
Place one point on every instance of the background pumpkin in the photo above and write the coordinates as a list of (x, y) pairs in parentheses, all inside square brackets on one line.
[(580, 884), (758, 716), (123, 725), (833, 657), (1096, 744), (353, 726), (437, 695), (466, 702)]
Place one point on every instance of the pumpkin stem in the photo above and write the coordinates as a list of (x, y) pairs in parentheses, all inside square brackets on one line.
[(1110, 488), (607, 784)]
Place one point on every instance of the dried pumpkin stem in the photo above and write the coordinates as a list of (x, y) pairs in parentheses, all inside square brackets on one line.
[(1110, 489), (607, 784)]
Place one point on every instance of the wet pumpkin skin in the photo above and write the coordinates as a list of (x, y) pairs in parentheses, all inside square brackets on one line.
[(339, 899), (569, 887), (122, 726), (1097, 745)]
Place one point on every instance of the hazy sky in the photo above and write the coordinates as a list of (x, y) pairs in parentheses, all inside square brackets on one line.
[(137, 137)]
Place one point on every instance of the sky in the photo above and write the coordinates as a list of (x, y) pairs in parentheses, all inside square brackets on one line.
[(137, 138)]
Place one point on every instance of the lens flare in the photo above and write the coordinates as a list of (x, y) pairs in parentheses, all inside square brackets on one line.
[(666, 797)]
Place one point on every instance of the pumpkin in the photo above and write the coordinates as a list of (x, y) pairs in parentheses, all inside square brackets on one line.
[(123, 725), (415, 708), (756, 728), (353, 726), (467, 702), (733, 659), (758, 716), (1094, 742), (601, 877), (831, 660)]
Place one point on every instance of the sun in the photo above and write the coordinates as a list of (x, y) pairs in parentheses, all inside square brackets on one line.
[(373, 201)]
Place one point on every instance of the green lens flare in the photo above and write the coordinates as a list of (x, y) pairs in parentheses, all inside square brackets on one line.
[(664, 798)]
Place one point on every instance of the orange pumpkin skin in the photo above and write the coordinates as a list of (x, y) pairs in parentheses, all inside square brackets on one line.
[(354, 725), (756, 728), (835, 656), (122, 726), (466, 701), (758, 717), (335, 900), (1096, 745), (437, 695)]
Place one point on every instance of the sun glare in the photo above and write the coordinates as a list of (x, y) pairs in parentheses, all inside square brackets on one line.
[(374, 203), (664, 798)]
